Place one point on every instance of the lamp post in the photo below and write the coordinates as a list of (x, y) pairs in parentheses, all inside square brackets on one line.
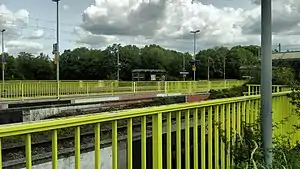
[(208, 67), (224, 70), (118, 63), (183, 67), (3, 58), (56, 52), (194, 57), (266, 79)]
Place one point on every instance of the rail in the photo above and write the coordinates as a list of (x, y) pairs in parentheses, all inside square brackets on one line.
[(207, 118), (22, 90), (254, 89)]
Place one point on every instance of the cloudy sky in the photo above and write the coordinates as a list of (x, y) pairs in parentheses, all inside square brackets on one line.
[(30, 24)]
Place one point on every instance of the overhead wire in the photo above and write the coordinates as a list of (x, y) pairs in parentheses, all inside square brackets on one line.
[(22, 27)]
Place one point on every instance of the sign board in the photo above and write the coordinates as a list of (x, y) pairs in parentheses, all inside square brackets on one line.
[(184, 73), (54, 48), (3, 60), (153, 77), (194, 68)]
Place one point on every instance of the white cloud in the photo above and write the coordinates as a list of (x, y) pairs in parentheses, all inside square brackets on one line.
[(91, 39), (37, 34), (12, 21), (16, 46), (168, 23), (66, 7), (15, 40)]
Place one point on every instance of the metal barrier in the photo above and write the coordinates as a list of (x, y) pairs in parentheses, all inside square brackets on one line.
[(254, 89), (48, 89), (209, 117)]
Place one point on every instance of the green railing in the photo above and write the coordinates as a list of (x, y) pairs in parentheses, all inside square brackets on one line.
[(207, 120), (21, 90), (254, 89)]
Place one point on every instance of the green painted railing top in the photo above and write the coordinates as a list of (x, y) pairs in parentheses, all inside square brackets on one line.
[(48, 89), (254, 89), (208, 119)]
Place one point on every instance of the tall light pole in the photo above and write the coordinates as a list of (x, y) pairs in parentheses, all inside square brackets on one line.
[(266, 79), (224, 69), (57, 45), (208, 78), (183, 67), (3, 58), (118, 64), (194, 57)]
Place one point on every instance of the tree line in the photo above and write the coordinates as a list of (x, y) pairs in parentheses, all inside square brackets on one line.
[(95, 64)]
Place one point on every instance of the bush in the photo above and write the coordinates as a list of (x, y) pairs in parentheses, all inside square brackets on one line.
[(280, 76), (236, 91), (248, 153)]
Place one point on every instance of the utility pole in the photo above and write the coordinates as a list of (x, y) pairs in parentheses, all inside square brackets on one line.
[(224, 69), (3, 59), (194, 57), (57, 45), (208, 78), (183, 67), (118, 64), (266, 80)]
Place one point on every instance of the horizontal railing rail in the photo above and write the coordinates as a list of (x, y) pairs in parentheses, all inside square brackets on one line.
[(50, 89), (208, 119), (255, 89)]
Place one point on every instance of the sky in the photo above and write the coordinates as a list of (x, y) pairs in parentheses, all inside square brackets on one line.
[(31, 24)]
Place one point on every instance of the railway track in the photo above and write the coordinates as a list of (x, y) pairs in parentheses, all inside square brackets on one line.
[(14, 154), (13, 148)]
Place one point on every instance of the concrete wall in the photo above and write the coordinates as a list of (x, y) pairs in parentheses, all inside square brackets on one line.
[(87, 160), (39, 114)]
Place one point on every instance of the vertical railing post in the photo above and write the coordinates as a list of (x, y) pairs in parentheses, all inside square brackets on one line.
[(19, 91), (112, 88), (22, 91), (87, 88), (158, 86), (194, 87), (166, 87), (249, 90), (190, 88), (58, 90), (134, 87), (157, 140)]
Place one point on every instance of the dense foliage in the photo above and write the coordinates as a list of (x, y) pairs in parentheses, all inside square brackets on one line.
[(235, 91), (247, 152), (95, 64)]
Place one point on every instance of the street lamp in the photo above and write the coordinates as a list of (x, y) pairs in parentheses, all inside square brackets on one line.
[(118, 63), (56, 51), (3, 59), (183, 67), (224, 69), (208, 67), (194, 57)]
